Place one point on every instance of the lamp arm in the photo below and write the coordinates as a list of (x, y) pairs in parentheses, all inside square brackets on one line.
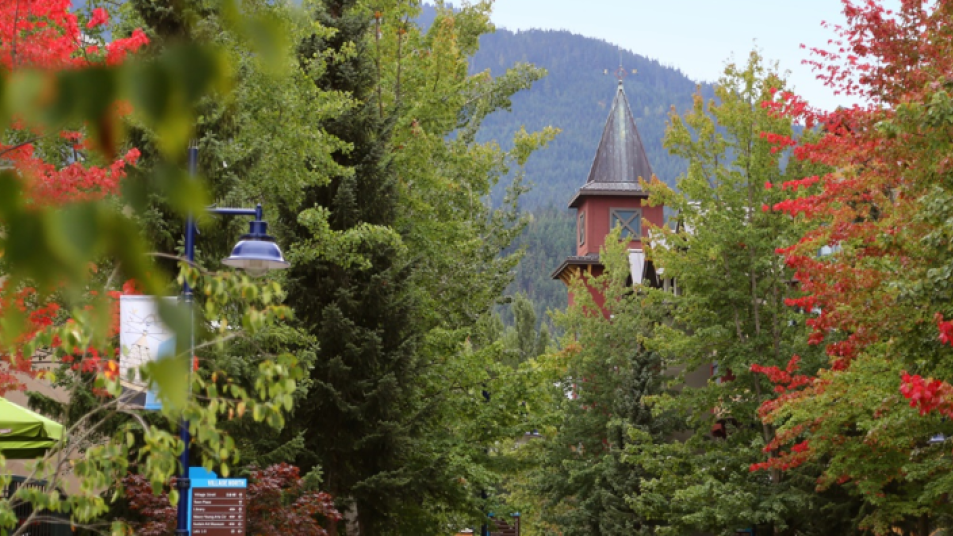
[(232, 211)]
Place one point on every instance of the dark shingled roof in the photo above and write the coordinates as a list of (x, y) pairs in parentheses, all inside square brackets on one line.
[(620, 159)]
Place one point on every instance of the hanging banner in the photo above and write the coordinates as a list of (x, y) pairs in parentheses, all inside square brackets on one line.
[(143, 338)]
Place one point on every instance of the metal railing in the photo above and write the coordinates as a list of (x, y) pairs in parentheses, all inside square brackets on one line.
[(45, 523)]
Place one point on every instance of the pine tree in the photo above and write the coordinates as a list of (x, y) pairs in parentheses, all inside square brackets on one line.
[(360, 315)]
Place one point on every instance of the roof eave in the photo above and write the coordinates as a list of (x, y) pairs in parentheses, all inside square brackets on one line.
[(577, 199), (575, 261)]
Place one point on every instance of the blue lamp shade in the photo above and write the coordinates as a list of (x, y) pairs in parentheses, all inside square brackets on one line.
[(256, 257), (257, 253)]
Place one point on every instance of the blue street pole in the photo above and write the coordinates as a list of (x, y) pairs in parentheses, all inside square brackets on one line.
[(485, 528), (183, 484), (256, 253)]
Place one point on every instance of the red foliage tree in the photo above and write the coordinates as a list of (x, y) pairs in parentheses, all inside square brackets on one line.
[(45, 36), (156, 515), (280, 503), (877, 300)]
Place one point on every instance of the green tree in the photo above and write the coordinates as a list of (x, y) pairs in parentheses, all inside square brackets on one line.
[(397, 258), (522, 341), (461, 241), (360, 314), (599, 382), (729, 313)]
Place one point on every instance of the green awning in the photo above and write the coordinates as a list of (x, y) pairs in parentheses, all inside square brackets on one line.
[(24, 434)]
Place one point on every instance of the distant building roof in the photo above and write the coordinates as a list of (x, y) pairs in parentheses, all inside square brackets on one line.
[(620, 159)]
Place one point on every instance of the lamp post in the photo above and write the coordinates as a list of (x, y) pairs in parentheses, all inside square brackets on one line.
[(256, 253), (485, 527)]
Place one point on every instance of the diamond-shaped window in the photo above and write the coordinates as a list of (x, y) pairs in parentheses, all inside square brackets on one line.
[(630, 219)]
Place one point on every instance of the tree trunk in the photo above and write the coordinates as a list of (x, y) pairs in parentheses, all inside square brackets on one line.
[(351, 519)]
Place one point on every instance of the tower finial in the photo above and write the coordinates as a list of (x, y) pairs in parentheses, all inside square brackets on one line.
[(621, 72)]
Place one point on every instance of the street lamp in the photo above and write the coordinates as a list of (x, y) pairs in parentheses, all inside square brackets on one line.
[(256, 253)]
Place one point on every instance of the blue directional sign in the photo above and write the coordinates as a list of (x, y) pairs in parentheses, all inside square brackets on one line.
[(218, 506)]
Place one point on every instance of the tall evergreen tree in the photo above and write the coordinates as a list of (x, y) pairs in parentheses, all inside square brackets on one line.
[(360, 314), (455, 246)]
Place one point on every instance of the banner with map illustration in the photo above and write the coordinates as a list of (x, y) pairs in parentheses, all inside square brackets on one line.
[(143, 338)]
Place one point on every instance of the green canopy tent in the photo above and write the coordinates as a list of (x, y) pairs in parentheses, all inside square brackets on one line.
[(24, 434)]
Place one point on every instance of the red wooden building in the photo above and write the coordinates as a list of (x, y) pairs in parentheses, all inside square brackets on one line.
[(612, 197)]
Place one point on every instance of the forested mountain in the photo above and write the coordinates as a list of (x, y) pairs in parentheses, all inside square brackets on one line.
[(548, 239), (574, 97)]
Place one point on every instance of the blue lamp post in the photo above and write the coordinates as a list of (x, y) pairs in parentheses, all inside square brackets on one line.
[(256, 253)]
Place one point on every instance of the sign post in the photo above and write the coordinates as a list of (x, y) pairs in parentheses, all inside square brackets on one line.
[(218, 506)]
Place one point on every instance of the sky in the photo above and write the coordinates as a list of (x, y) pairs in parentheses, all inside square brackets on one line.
[(696, 36)]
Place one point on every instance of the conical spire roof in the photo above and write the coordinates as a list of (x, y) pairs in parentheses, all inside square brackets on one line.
[(620, 159)]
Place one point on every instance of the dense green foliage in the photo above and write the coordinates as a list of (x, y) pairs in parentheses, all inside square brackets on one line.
[(730, 314), (599, 383), (365, 148), (404, 362)]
